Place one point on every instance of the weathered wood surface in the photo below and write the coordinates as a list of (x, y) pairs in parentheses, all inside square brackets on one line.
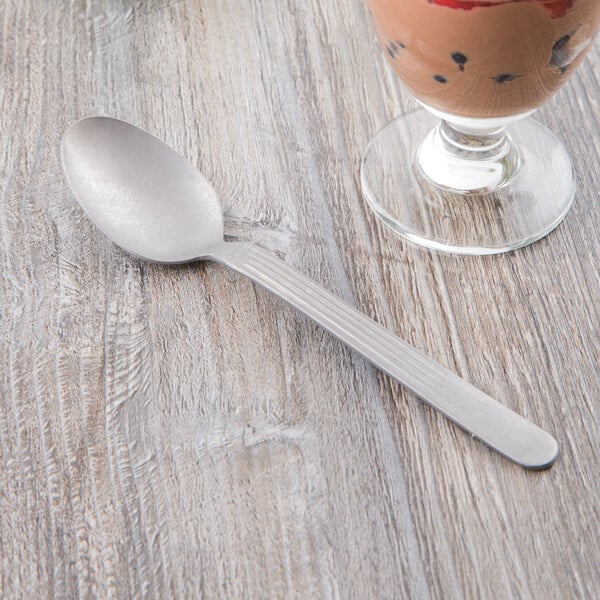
[(177, 432)]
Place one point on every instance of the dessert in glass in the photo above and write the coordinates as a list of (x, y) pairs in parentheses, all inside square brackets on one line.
[(473, 173)]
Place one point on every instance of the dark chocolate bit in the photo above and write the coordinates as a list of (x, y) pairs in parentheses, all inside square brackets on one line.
[(561, 56), (394, 47), (460, 59), (440, 78), (565, 50), (560, 44), (505, 77)]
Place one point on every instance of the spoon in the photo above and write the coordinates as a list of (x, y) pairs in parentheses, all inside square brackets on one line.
[(156, 205)]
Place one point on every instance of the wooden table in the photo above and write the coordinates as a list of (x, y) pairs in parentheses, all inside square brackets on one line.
[(178, 432)]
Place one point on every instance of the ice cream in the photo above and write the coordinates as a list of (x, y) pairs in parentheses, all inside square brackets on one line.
[(485, 58)]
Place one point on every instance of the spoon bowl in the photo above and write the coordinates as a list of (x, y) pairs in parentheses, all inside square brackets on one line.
[(157, 206), (153, 203)]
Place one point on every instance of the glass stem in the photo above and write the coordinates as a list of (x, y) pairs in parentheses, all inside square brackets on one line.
[(468, 160), (483, 144)]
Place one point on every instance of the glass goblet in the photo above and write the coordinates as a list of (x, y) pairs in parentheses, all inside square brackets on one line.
[(473, 173)]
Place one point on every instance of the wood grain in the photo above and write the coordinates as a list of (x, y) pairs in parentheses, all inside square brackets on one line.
[(177, 432)]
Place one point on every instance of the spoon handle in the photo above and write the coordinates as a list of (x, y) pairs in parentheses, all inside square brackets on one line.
[(500, 428)]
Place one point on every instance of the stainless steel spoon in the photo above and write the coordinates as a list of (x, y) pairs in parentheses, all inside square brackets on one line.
[(153, 203)]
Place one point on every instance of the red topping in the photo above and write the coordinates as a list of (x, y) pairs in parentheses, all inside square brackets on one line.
[(556, 8), (559, 8)]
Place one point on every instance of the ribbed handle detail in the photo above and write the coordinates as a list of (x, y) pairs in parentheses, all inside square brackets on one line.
[(500, 428)]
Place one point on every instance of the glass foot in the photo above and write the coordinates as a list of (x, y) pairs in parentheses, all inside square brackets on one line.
[(454, 204)]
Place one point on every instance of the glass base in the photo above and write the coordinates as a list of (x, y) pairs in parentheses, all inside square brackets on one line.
[(404, 181)]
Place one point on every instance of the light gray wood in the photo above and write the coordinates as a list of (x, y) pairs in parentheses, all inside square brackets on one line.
[(177, 432)]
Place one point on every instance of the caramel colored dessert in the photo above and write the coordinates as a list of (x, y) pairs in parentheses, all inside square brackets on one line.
[(491, 58)]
